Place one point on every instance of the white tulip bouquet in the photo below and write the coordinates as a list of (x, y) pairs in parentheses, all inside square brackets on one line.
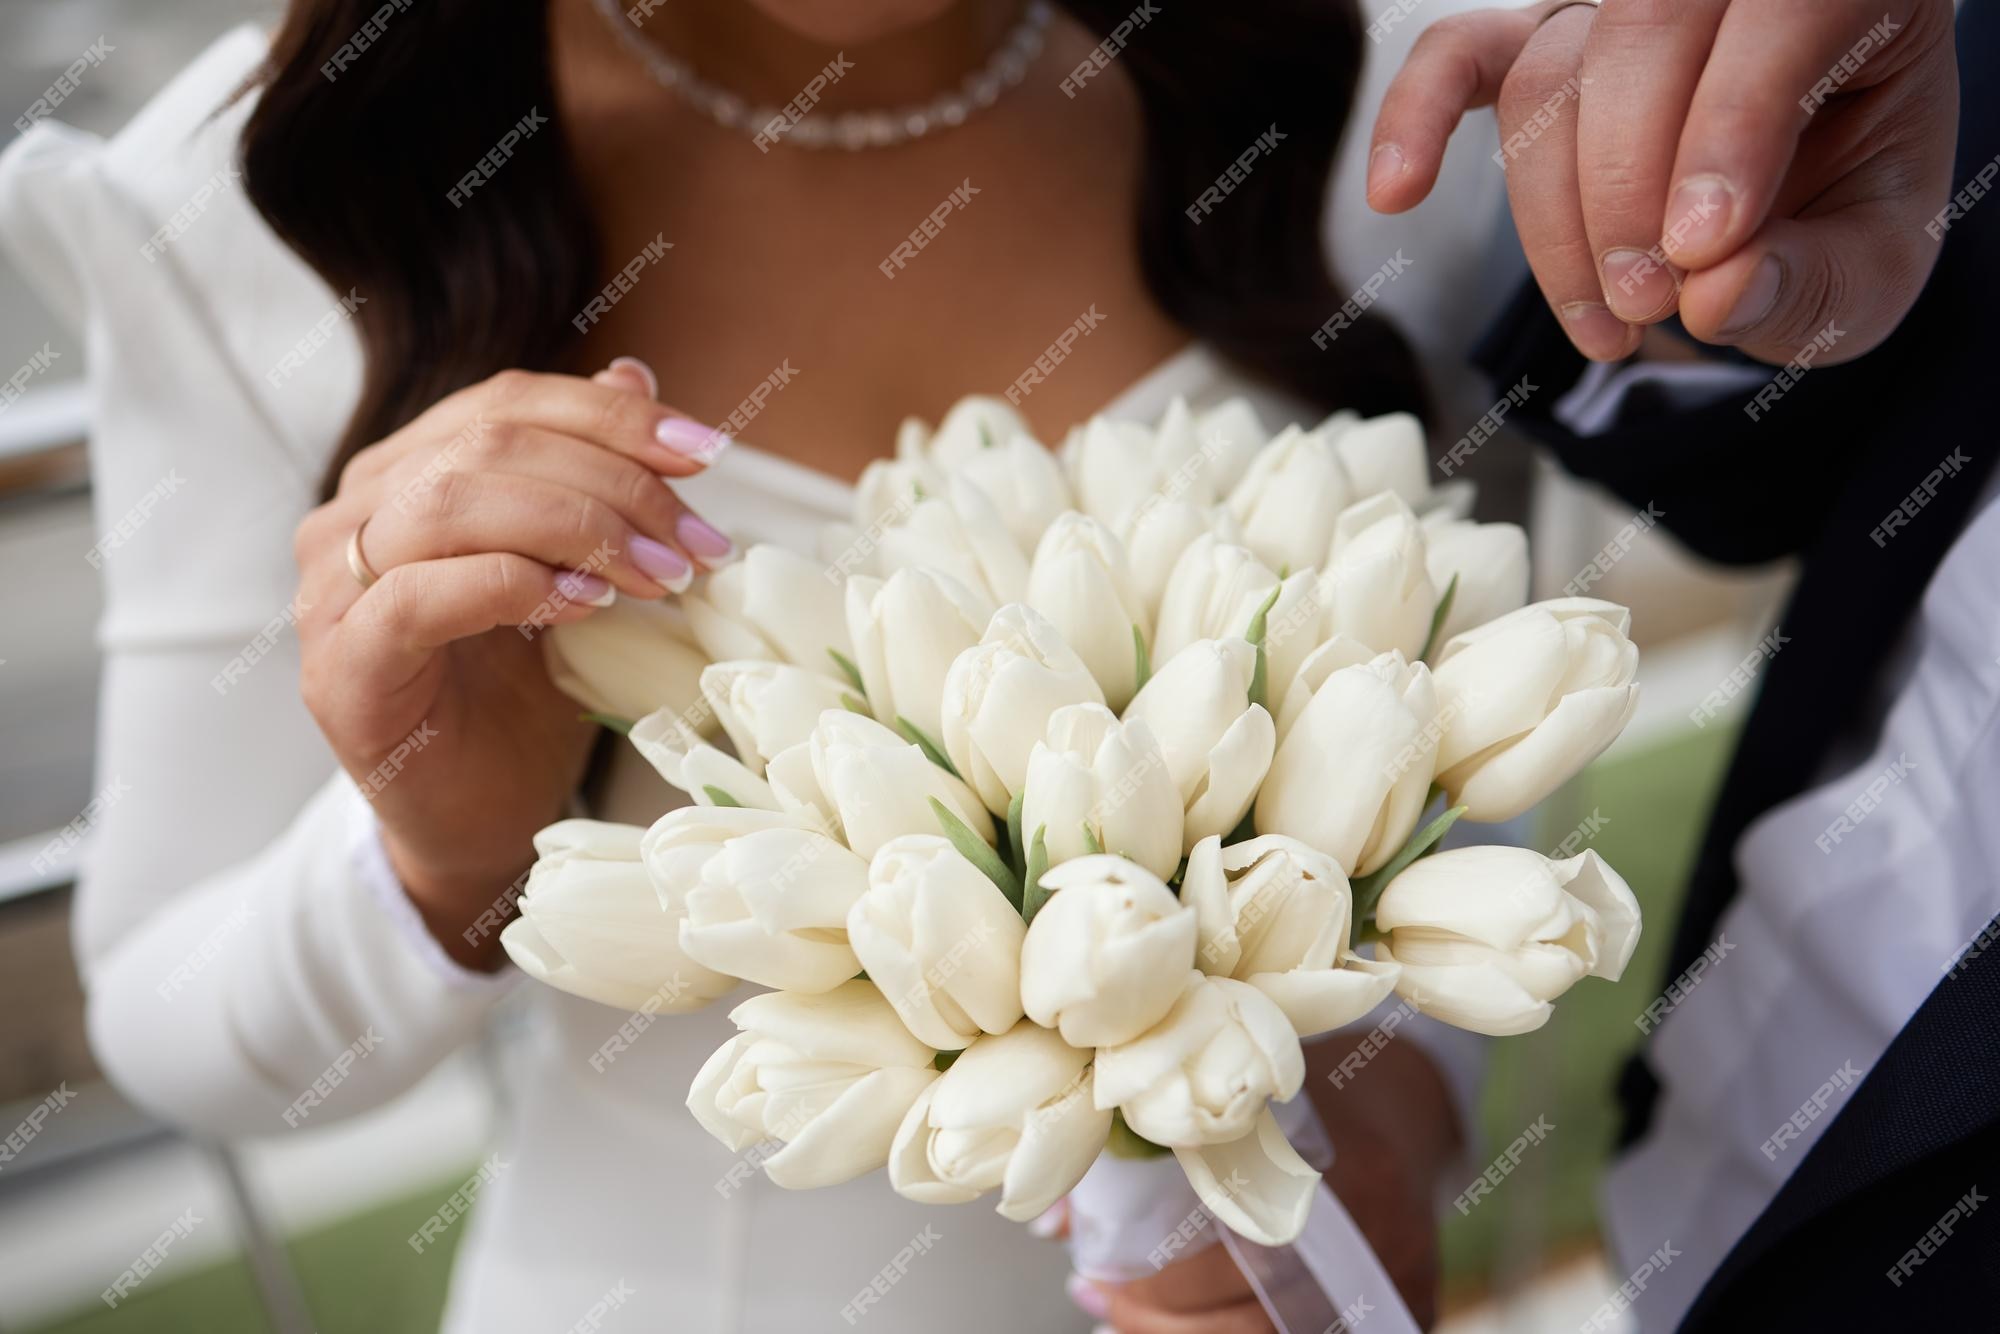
[(1060, 804)]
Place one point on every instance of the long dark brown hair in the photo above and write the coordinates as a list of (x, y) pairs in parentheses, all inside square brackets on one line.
[(350, 161)]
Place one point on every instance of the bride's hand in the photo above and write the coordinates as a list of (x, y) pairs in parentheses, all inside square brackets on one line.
[(523, 501), (1784, 157)]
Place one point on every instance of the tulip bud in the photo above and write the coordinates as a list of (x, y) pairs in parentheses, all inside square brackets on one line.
[(939, 941), (906, 633), (677, 752), (1093, 780), (1489, 936), (1203, 1074), (1116, 466), (773, 605), (973, 426), (1276, 914), (1351, 775), (1256, 1185), (1231, 437), (766, 707), (1158, 533), (958, 533), (1385, 453), (1490, 563), (1024, 483), (1530, 699), (592, 924), (831, 1075), (1080, 581), (1217, 744), (1108, 954), (629, 660), (1288, 498), (1213, 592), (879, 785), (1013, 1111), (998, 697), (1377, 587)]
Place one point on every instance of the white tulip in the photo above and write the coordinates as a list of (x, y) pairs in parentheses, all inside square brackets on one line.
[(795, 789), (677, 752), (1092, 777), (940, 941), (1203, 1074), (773, 604), (1351, 775), (592, 924), (1013, 1111), (1294, 627), (1337, 652), (766, 707), (1277, 914), (1530, 699), (999, 694), (889, 489), (766, 900), (880, 785), (1080, 581), (1386, 453), (1025, 483), (1216, 743), (629, 660), (830, 1075), (1489, 936), (906, 633), (972, 426), (1256, 1184), (1114, 467), (1288, 498), (1230, 436), (1214, 590), (1108, 954), (959, 533), (1377, 586), (1158, 533), (1490, 562)]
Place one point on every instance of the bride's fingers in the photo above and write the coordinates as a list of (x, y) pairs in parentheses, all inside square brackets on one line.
[(1538, 126), (629, 373), (1457, 64), (463, 514), (627, 423)]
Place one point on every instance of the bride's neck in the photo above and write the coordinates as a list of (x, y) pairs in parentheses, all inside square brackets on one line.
[(736, 46)]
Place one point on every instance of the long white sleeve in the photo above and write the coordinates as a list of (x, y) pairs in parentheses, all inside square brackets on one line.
[(231, 943)]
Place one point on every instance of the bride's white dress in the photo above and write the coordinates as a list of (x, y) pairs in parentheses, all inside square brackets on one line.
[(237, 925)]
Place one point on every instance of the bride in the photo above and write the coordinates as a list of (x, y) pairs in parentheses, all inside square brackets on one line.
[(444, 310)]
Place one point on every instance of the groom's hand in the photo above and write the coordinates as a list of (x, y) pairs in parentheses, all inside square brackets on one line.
[(1763, 167)]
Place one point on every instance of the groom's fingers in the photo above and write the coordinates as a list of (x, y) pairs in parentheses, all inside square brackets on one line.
[(1457, 64)]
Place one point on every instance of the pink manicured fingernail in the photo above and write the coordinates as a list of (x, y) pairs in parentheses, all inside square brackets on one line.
[(1596, 331), (690, 438), (696, 534), (1758, 298), (1385, 165), (1698, 214), (634, 364), (663, 564), (1088, 1296), (1637, 286), (576, 586)]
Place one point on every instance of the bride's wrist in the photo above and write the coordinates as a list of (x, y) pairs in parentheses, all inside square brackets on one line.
[(462, 909)]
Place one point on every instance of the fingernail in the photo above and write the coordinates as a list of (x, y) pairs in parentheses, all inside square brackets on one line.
[(1698, 214), (1048, 1222), (703, 539), (1758, 298), (690, 438), (634, 364), (576, 586), (1637, 286), (663, 564), (1596, 332), (1385, 165), (1088, 1296)]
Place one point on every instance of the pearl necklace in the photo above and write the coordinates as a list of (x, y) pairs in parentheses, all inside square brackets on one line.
[(850, 129)]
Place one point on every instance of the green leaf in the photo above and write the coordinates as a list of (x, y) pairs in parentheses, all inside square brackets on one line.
[(1014, 828), (718, 796), (943, 1060), (1260, 686), (853, 705), (1125, 1142), (1090, 838), (1368, 889), (932, 751), (1437, 619), (1142, 670), (1037, 864), (974, 849), (622, 726), (848, 670)]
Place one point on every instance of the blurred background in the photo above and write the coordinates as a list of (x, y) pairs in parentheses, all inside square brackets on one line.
[(308, 1233)]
